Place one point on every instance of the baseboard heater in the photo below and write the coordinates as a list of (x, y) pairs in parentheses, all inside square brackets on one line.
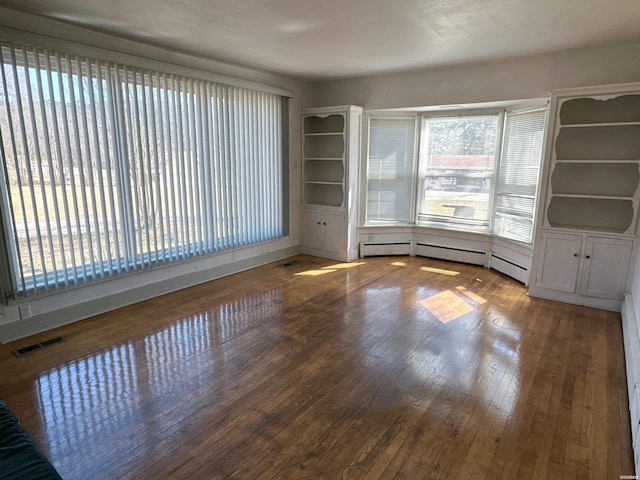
[(508, 267), (383, 249), (474, 257), (632, 361)]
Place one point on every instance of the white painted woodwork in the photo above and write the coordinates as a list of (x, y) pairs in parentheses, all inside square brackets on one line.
[(325, 231), (632, 361), (559, 261), (593, 160), (589, 205), (330, 150), (576, 267), (606, 264)]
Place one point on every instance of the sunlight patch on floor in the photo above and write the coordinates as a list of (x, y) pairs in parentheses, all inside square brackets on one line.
[(473, 296), (440, 271), (446, 306), (314, 273), (345, 265)]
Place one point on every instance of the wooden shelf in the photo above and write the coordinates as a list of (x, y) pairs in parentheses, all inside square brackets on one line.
[(606, 142), (324, 124), (595, 179), (583, 125), (325, 146), (323, 134), (327, 194), (595, 214), (588, 110)]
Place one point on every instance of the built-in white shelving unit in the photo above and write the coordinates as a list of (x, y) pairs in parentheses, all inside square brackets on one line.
[(590, 211), (330, 154)]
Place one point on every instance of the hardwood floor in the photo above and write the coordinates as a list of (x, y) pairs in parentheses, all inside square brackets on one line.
[(390, 367)]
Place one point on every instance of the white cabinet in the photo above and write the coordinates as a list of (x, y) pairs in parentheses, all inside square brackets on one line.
[(325, 231), (589, 207), (605, 267), (572, 267), (330, 156), (559, 261)]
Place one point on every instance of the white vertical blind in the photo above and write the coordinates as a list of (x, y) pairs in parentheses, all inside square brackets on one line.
[(518, 174), (111, 168), (390, 169)]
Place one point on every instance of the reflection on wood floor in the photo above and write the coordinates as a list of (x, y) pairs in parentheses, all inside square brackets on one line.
[(396, 367)]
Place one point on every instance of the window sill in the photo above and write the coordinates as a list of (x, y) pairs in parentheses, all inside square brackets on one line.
[(439, 230)]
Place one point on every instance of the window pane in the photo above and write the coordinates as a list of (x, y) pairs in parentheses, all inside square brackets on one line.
[(518, 175), (390, 169), (62, 204), (456, 171), (110, 168)]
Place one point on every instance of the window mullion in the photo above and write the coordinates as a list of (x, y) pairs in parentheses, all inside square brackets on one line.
[(496, 169)]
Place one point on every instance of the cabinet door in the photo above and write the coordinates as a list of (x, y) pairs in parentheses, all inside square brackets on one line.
[(606, 264), (312, 227), (559, 261), (335, 230)]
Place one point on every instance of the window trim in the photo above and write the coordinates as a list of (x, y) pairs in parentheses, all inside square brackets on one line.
[(450, 224), (7, 280), (462, 110), (364, 173)]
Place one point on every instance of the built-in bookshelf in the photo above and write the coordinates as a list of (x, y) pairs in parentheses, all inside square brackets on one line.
[(595, 177), (330, 151), (324, 157)]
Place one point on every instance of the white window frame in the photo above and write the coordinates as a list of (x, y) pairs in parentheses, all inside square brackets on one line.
[(18, 280), (461, 224), (501, 109), (365, 170)]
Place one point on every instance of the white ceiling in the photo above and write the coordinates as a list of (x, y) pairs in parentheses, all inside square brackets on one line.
[(342, 38)]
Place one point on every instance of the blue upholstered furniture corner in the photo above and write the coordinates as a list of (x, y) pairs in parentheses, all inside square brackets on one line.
[(20, 458)]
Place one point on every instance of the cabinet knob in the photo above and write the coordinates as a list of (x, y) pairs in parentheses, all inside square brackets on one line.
[(324, 223), (575, 254), (587, 256), (318, 223)]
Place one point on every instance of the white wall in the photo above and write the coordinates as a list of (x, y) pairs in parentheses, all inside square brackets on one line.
[(635, 287), (75, 304), (511, 79)]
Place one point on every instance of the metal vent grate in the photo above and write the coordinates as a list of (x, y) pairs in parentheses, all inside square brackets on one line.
[(37, 346)]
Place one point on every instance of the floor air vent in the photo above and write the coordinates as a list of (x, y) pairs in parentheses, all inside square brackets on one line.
[(290, 264), (37, 346)]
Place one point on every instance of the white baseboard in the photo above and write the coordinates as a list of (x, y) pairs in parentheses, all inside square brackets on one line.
[(453, 254), (509, 268), (379, 249), (632, 360)]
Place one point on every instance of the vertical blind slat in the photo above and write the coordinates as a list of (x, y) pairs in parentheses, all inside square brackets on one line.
[(75, 158), (27, 159), (59, 178), (14, 150), (100, 227), (119, 168)]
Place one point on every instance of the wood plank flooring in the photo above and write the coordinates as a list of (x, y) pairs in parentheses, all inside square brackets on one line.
[(389, 367)]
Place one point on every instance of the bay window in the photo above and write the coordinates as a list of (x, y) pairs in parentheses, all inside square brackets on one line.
[(476, 173)]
